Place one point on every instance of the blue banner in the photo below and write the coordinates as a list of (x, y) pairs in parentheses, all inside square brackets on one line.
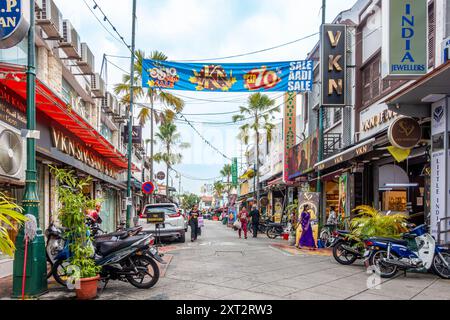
[(294, 76)]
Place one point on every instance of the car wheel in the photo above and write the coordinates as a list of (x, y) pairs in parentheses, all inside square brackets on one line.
[(182, 238)]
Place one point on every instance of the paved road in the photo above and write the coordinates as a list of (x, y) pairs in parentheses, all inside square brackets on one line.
[(221, 266)]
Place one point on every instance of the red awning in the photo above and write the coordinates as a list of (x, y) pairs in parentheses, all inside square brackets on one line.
[(50, 104)]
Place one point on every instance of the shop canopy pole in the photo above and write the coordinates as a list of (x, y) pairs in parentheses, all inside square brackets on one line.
[(130, 121), (36, 282)]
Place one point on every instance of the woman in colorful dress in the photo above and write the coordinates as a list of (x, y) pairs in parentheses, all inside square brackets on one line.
[(307, 238)]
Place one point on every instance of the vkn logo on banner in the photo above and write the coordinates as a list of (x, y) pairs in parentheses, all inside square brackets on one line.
[(244, 77)]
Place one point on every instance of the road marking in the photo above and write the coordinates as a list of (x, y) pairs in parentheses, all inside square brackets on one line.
[(281, 251)]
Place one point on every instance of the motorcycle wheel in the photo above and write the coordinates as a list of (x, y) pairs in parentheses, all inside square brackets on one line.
[(147, 267), (383, 270), (272, 233), (342, 256), (59, 272), (439, 267), (325, 236)]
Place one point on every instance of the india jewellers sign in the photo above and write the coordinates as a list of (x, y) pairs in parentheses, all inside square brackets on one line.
[(68, 146), (404, 50)]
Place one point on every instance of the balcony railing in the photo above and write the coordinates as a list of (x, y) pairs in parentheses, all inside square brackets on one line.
[(332, 144)]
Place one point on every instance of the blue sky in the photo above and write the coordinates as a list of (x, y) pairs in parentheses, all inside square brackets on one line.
[(199, 29)]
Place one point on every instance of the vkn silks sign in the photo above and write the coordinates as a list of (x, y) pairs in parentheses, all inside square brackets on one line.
[(405, 45), (14, 22), (294, 76), (334, 65)]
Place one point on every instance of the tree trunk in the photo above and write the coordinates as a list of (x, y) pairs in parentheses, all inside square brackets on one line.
[(257, 164), (167, 173)]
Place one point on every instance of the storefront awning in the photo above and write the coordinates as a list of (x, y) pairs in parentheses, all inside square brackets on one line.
[(248, 174), (415, 99), (276, 181), (346, 155), (50, 104)]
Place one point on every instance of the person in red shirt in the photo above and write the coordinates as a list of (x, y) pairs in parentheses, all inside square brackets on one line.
[(243, 218)]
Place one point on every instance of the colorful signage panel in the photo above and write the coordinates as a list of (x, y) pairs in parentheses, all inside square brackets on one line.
[(234, 172), (405, 44), (14, 22), (334, 66), (291, 76), (303, 157), (289, 129)]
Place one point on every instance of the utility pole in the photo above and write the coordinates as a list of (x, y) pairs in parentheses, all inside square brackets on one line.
[(151, 143), (321, 131), (36, 277), (130, 121)]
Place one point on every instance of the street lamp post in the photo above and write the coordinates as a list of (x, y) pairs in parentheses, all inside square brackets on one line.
[(130, 121), (36, 272)]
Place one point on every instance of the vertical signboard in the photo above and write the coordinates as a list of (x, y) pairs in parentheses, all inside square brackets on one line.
[(234, 172), (289, 128), (333, 65), (438, 167), (405, 45)]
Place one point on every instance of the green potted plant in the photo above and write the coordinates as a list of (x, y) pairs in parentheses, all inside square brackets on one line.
[(10, 218), (72, 213)]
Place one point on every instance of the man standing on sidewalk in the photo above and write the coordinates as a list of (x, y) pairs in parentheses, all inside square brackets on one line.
[(255, 220), (193, 222)]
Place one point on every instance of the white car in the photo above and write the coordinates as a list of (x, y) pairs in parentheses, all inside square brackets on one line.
[(174, 223)]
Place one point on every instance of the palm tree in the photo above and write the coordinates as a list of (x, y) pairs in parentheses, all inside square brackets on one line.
[(219, 188), (226, 173), (259, 111), (171, 103), (170, 142)]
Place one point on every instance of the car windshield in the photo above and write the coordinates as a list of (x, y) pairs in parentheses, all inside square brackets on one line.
[(165, 209)]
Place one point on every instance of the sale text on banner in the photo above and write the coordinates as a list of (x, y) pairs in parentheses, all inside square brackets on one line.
[(295, 76)]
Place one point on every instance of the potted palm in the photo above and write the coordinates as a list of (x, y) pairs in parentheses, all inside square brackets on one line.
[(10, 218), (72, 213)]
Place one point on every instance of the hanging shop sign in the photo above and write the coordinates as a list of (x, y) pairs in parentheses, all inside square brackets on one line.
[(234, 172), (294, 76), (446, 50), (334, 66), (136, 137), (160, 175), (14, 22), (11, 109), (405, 133), (69, 146), (405, 45), (303, 156), (289, 129)]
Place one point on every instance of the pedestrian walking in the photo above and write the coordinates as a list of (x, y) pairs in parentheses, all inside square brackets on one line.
[(332, 217), (307, 238), (254, 214), (243, 218), (201, 224), (193, 222)]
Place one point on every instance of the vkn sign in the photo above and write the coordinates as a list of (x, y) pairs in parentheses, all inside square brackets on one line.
[(404, 52), (14, 22), (334, 65)]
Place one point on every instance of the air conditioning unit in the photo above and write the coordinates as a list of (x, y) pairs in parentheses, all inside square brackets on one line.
[(107, 103), (97, 86), (38, 5), (50, 20), (87, 62), (70, 43), (120, 117), (12, 154), (115, 106)]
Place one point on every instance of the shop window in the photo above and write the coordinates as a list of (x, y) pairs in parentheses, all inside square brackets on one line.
[(431, 34), (374, 87)]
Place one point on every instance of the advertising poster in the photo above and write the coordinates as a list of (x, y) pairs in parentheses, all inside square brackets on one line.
[(343, 207), (312, 200), (289, 76), (303, 157), (278, 210)]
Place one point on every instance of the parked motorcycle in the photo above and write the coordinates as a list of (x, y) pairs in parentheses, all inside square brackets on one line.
[(130, 260), (346, 250), (275, 230), (417, 250), (262, 226)]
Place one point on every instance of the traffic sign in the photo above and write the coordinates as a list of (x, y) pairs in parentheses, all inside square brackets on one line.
[(161, 175), (148, 187)]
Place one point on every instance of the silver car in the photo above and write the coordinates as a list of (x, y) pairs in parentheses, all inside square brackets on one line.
[(173, 225)]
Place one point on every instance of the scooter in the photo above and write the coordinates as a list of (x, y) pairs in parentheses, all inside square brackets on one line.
[(130, 260), (417, 250), (345, 249), (275, 230)]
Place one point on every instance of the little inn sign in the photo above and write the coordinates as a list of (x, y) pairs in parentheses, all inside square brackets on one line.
[(68, 146)]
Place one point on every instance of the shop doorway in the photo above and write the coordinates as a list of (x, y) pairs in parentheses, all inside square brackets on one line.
[(108, 211)]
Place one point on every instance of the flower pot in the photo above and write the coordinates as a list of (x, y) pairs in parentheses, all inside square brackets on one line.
[(88, 288)]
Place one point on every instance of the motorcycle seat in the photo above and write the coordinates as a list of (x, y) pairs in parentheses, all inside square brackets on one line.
[(107, 247), (396, 241), (118, 234), (273, 224)]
